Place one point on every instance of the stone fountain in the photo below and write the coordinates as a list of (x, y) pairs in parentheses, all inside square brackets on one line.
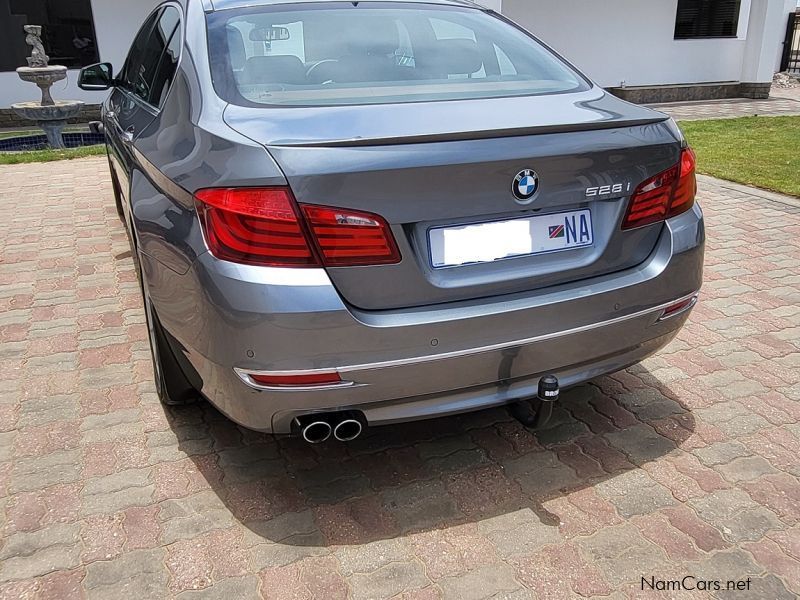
[(49, 114)]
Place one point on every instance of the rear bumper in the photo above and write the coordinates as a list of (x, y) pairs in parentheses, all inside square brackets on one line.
[(419, 363)]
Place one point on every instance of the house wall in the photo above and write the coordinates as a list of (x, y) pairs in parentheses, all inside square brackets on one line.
[(116, 23), (633, 41), (630, 40)]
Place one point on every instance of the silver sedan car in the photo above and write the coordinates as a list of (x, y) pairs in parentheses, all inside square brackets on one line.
[(350, 214)]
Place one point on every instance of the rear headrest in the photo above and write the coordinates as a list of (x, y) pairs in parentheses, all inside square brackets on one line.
[(454, 57), (371, 35), (274, 69)]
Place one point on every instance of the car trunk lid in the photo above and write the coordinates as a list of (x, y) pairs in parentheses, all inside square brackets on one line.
[(453, 164)]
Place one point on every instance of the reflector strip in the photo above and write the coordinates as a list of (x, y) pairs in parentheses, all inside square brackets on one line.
[(295, 380), (678, 308)]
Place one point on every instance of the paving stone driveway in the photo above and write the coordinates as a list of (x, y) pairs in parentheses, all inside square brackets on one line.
[(686, 465), (782, 102)]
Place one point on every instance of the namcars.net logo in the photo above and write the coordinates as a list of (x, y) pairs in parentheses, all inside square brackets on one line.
[(691, 583)]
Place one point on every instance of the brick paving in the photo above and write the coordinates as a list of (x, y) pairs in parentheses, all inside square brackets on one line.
[(685, 465), (782, 102)]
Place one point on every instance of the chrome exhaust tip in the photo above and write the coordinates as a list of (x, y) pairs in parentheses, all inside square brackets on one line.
[(348, 430), (317, 432)]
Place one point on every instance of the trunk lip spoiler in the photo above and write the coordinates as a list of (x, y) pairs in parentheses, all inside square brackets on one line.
[(457, 136)]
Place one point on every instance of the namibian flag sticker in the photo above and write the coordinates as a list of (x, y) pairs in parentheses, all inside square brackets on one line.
[(557, 231)]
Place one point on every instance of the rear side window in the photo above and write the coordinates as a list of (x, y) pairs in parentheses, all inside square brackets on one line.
[(138, 54), (153, 59), (335, 53), (168, 31)]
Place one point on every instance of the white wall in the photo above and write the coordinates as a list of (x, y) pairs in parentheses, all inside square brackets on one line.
[(630, 40), (116, 23), (633, 40)]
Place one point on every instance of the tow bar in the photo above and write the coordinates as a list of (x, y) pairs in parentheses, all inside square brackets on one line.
[(536, 414)]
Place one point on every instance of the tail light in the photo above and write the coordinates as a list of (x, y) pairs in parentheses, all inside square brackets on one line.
[(265, 227), (254, 227), (665, 195), (349, 238)]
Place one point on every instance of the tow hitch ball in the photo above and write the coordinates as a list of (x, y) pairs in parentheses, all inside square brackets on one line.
[(536, 414)]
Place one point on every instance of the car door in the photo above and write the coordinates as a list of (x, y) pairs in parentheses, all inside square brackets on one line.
[(135, 102), (120, 106)]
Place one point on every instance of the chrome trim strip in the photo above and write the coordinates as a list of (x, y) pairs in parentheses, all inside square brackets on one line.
[(456, 353)]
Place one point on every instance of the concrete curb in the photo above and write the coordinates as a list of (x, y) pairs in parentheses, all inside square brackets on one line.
[(752, 191)]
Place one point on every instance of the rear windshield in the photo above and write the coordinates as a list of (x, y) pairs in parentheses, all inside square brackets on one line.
[(372, 53)]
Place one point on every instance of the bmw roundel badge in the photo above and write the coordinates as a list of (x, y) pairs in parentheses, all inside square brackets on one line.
[(525, 186)]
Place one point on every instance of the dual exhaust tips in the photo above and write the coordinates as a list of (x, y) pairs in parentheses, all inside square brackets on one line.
[(316, 429)]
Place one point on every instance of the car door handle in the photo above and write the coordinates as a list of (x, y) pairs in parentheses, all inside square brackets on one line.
[(111, 116), (127, 135)]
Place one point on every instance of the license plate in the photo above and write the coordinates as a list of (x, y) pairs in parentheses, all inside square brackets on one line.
[(488, 242)]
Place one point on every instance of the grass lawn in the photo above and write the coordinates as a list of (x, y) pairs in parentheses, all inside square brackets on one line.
[(15, 158), (759, 151)]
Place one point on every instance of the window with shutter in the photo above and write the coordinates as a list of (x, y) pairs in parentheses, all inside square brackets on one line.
[(707, 19)]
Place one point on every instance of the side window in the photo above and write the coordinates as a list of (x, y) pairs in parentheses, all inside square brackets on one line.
[(146, 75), (169, 29), (127, 76)]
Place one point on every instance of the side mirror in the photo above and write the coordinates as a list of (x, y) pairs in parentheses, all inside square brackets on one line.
[(96, 78)]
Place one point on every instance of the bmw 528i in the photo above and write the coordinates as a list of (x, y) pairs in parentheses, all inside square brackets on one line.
[(350, 214)]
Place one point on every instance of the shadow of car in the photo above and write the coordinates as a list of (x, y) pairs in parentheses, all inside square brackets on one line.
[(429, 475)]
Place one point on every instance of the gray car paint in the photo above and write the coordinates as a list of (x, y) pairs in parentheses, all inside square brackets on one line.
[(420, 186), (576, 315)]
